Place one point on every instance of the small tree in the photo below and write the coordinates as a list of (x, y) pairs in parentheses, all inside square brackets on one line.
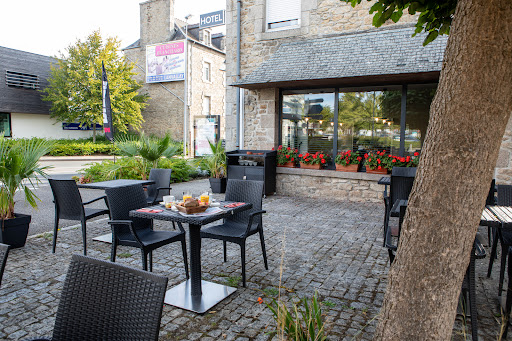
[(76, 80)]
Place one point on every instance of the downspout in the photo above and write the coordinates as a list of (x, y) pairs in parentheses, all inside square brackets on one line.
[(238, 42)]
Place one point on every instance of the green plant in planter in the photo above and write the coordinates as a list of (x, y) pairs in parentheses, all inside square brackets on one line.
[(215, 163), (348, 158), (19, 164)]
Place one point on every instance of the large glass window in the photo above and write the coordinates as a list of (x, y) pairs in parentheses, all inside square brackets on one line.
[(368, 119), (5, 123), (365, 122), (308, 120)]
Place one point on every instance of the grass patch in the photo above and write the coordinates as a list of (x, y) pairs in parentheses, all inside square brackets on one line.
[(271, 291), (124, 255), (328, 303), (232, 281)]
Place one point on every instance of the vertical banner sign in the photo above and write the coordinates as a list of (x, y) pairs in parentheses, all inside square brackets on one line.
[(165, 62), (107, 109)]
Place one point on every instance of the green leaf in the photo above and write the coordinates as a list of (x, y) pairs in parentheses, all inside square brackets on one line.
[(430, 37), (397, 15)]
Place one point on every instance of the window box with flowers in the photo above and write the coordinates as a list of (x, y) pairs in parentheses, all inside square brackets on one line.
[(286, 157), (312, 161), (407, 161), (377, 162), (348, 161)]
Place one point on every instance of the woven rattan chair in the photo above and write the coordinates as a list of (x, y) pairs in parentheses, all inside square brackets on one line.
[(105, 301), (4, 252), (162, 178), (502, 235), (138, 232), (238, 227), (402, 179), (69, 205)]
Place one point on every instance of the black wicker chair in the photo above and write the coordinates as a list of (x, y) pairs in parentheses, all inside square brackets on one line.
[(402, 179), (162, 178), (69, 205), (239, 226), (501, 235), (4, 252), (138, 232), (105, 301), (392, 237)]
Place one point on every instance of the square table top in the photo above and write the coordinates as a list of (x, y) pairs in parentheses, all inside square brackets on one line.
[(503, 213), (175, 216), (115, 183)]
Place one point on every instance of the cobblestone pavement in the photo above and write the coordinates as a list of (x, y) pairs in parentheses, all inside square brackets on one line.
[(333, 247)]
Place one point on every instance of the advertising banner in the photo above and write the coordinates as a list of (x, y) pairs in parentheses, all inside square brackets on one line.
[(108, 126), (206, 129), (165, 62)]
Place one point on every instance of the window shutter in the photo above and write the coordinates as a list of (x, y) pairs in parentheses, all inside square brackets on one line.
[(282, 10)]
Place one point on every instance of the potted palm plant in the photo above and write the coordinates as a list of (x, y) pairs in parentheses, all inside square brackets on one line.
[(19, 167), (216, 166)]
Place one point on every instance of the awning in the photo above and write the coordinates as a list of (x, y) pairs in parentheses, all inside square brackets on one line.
[(375, 56)]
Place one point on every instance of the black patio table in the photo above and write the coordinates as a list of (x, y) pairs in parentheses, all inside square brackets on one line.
[(115, 183), (194, 294), (107, 238)]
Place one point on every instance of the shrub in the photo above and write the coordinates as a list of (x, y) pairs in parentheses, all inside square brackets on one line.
[(128, 168)]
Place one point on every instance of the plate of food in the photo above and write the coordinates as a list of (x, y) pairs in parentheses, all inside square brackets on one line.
[(191, 206)]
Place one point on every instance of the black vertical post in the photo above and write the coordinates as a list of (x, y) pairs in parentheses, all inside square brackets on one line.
[(401, 151), (335, 126)]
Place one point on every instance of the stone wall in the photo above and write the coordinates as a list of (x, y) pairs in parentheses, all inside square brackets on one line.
[(357, 187), (319, 18)]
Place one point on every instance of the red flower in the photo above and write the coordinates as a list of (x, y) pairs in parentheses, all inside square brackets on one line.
[(347, 161), (322, 156), (307, 154), (378, 161), (416, 154), (280, 147), (296, 150), (408, 159), (287, 156), (322, 161), (273, 148), (307, 160), (288, 148), (369, 160), (293, 159), (300, 155), (260, 300), (314, 156), (394, 160), (402, 159), (379, 167), (365, 156), (359, 158)]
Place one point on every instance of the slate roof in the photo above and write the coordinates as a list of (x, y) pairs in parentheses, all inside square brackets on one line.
[(21, 100), (371, 53)]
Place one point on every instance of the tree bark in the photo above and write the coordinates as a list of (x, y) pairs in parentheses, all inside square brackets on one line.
[(467, 122)]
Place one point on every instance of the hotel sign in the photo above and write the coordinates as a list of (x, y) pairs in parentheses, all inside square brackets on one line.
[(212, 19)]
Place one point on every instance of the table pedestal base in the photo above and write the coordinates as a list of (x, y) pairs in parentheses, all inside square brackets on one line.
[(180, 296), (106, 238)]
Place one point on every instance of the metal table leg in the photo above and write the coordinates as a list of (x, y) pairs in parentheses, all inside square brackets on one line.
[(195, 294)]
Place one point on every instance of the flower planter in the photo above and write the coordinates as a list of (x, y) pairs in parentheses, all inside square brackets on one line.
[(315, 166), (377, 171), (14, 231), (349, 168), (288, 164), (218, 185)]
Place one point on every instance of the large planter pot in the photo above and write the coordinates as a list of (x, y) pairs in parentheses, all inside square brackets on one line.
[(377, 171), (349, 168), (14, 231), (218, 185), (316, 166), (288, 164)]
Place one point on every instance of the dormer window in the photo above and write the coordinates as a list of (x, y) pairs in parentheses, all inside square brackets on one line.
[(207, 37)]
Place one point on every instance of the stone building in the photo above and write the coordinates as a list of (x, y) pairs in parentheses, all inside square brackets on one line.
[(206, 76), (315, 75), (23, 114)]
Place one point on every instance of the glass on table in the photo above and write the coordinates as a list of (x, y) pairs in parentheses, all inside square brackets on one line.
[(186, 195), (204, 198)]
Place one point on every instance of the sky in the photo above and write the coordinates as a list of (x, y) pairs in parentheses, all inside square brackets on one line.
[(49, 27)]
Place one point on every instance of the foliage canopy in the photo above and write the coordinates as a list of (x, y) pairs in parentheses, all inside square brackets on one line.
[(75, 85), (435, 16)]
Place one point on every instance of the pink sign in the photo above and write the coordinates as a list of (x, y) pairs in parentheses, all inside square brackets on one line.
[(167, 49)]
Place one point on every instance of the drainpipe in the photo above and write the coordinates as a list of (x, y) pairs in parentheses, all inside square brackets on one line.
[(238, 43)]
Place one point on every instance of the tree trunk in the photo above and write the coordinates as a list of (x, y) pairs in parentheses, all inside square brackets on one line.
[(467, 121)]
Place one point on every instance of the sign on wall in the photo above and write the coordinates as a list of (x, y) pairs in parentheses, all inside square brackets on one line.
[(207, 128), (76, 126), (211, 19), (165, 62)]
